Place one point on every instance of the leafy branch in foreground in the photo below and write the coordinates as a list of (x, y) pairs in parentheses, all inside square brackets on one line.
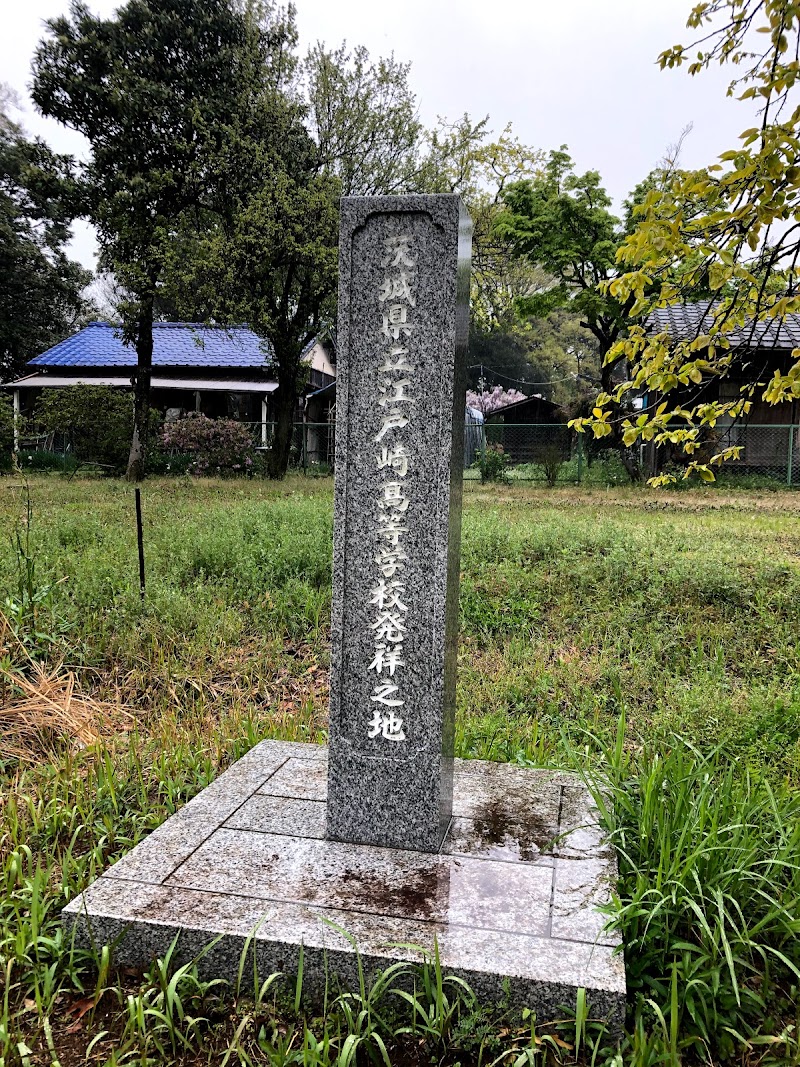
[(731, 230)]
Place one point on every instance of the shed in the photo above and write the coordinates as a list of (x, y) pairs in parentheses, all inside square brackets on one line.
[(532, 409), (530, 430), (765, 436)]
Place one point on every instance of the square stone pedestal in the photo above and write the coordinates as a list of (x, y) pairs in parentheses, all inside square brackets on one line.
[(512, 898)]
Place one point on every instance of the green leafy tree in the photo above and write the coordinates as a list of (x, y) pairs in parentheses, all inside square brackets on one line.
[(498, 356), (273, 264), (562, 222), (41, 289), (731, 229), (152, 89), (465, 158), (564, 359), (269, 254), (362, 115), (97, 419), (266, 250), (553, 356)]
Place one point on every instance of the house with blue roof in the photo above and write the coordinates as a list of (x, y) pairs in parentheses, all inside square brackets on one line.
[(223, 372)]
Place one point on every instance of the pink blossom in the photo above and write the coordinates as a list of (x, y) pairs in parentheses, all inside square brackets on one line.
[(493, 399)]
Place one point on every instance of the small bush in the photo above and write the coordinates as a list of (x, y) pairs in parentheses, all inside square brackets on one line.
[(6, 431), (97, 419), (493, 464), (42, 460), (551, 458), (216, 446)]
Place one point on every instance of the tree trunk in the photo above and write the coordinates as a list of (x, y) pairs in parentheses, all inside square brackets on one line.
[(630, 460), (137, 460), (286, 403)]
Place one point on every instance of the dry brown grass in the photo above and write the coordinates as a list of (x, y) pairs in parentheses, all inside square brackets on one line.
[(45, 712)]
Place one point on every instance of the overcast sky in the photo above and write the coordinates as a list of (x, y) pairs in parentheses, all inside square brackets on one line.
[(576, 72)]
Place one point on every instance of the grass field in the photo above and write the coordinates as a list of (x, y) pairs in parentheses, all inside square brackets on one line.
[(648, 640)]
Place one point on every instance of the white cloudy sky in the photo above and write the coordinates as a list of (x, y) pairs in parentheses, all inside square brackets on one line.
[(575, 72)]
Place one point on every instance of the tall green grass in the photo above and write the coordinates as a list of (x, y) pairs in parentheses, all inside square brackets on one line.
[(653, 648), (709, 893)]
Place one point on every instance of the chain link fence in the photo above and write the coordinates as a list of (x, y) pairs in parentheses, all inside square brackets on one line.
[(312, 448), (547, 454), (552, 454), (766, 451)]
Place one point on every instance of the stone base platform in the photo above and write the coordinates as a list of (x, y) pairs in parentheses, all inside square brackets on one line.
[(511, 898)]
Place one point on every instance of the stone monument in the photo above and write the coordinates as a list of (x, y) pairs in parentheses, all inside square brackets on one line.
[(401, 379), (384, 835)]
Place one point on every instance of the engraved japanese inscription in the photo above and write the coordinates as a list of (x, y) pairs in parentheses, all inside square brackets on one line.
[(395, 389)]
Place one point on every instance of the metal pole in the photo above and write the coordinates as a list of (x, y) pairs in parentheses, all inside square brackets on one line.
[(791, 458), (140, 540)]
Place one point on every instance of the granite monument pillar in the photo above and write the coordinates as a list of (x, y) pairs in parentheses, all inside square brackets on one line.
[(401, 353)]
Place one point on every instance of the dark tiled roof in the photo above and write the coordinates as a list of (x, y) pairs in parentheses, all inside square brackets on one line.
[(535, 400), (685, 321), (175, 344)]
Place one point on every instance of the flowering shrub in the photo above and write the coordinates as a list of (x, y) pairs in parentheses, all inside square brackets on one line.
[(216, 446), (493, 399)]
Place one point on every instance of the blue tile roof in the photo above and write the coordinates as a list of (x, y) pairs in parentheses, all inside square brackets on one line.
[(175, 344)]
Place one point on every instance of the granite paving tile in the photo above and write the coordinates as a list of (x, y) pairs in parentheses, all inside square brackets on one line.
[(162, 851), (169, 844), (501, 837), (483, 785), (414, 885), (156, 913), (513, 774), (291, 749), (580, 834), (518, 804), (580, 887), (280, 815), (243, 777), (299, 778)]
